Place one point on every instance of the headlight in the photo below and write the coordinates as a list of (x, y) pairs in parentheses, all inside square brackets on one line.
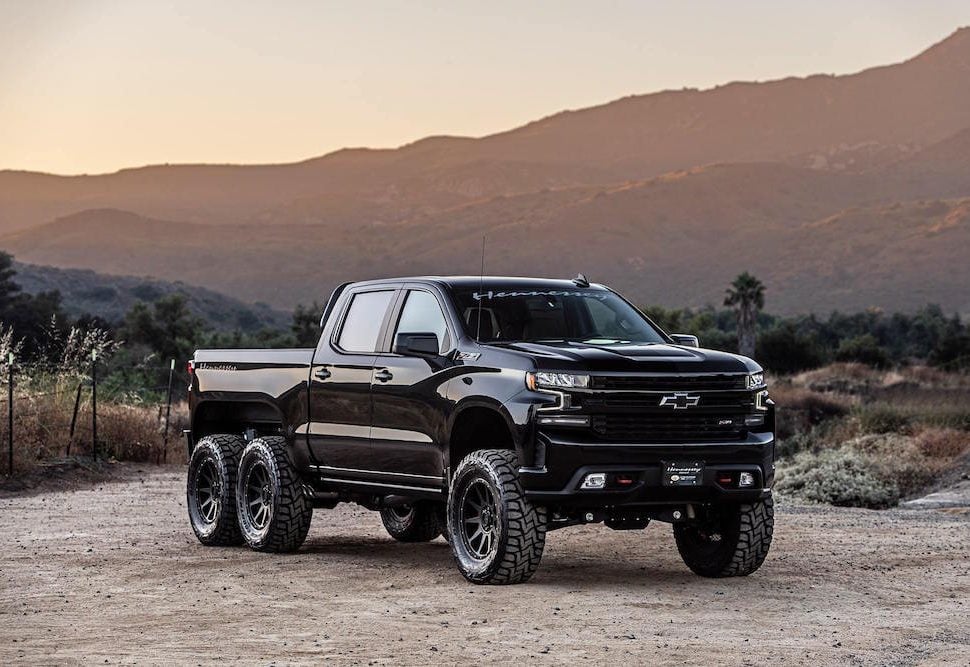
[(556, 380), (756, 380)]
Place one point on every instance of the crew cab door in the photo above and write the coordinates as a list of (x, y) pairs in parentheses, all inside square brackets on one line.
[(409, 394), (340, 380)]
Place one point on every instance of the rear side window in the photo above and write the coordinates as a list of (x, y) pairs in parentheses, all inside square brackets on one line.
[(362, 324), (422, 314)]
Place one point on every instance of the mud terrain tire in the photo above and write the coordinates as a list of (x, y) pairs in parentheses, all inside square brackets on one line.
[(210, 490), (496, 534), (733, 543), (274, 513), (412, 523)]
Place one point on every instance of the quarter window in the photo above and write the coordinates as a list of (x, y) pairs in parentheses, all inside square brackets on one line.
[(422, 314), (362, 324)]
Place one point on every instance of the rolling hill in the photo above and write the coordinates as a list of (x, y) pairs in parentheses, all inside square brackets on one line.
[(838, 191), (85, 292)]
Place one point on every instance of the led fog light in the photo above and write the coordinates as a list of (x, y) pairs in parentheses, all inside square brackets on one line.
[(745, 479), (594, 480)]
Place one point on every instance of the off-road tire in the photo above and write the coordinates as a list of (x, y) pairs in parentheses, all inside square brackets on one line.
[(417, 522), (734, 543), (274, 513), (211, 481), (517, 528)]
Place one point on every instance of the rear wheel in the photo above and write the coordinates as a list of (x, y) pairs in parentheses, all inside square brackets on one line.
[(210, 491), (732, 542), (417, 522), (496, 534), (274, 513)]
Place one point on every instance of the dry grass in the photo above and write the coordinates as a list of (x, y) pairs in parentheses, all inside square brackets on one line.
[(800, 409), (853, 435), (850, 378), (42, 425)]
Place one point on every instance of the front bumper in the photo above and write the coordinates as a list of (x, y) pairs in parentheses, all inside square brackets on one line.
[(565, 463)]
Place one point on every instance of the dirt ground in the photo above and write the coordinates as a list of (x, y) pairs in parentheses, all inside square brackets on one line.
[(114, 575)]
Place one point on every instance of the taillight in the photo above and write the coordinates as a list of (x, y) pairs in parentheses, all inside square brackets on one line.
[(190, 368)]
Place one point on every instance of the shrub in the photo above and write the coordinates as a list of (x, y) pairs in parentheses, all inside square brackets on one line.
[(786, 446), (938, 443), (863, 349), (952, 352), (784, 350), (882, 418), (840, 477)]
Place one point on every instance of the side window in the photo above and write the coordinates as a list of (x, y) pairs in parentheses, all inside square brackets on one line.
[(422, 314), (362, 324)]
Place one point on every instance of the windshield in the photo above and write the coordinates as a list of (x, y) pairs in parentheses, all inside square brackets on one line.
[(594, 316)]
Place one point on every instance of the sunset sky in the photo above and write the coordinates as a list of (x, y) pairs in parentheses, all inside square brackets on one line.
[(88, 87)]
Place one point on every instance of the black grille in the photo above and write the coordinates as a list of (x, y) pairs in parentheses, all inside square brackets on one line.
[(668, 428), (668, 382), (727, 401)]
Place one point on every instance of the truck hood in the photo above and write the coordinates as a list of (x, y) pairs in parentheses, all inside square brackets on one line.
[(630, 358)]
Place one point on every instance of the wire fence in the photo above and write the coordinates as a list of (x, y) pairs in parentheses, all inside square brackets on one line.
[(55, 411)]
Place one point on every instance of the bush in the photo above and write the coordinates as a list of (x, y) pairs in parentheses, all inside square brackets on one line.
[(841, 477), (942, 444), (952, 352), (882, 419), (864, 350), (784, 350), (787, 446)]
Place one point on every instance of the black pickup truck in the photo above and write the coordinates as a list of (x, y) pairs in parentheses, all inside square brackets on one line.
[(488, 411)]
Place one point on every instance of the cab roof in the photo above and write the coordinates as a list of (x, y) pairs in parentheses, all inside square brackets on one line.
[(488, 282)]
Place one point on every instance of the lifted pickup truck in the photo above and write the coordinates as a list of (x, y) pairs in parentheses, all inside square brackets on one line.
[(489, 411)]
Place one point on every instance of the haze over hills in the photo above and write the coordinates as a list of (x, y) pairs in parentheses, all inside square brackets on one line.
[(85, 292), (839, 192)]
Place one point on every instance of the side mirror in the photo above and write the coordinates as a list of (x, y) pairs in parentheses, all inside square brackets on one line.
[(686, 340), (417, 345)]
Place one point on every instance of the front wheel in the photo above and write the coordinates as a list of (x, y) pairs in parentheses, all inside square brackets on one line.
[(274, 513), (732, 542), (496, 534)]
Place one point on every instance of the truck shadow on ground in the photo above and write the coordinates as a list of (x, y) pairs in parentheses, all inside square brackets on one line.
[(557, 570)]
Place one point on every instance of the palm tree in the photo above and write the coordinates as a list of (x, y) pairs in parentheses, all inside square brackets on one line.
[(747, 296)]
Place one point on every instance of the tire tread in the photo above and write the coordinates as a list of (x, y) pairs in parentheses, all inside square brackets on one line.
[(526, 537)]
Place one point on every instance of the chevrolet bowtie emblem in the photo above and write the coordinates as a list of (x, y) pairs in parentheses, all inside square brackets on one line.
[(680, 400)]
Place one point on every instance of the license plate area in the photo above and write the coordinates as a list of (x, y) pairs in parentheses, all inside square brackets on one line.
[(682, 473)]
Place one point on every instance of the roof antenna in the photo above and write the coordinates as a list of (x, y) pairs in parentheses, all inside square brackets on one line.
[(581, 281), (481, 295)]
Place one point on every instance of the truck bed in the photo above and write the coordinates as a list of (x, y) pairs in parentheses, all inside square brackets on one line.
[(260, 357), (244, 374)]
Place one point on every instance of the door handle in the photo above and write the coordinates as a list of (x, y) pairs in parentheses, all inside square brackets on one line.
[(383, 375), (322, 374)]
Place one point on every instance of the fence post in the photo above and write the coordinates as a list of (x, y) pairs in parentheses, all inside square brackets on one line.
[(94, 404), (168, 411), (10, 414), (77, 406)]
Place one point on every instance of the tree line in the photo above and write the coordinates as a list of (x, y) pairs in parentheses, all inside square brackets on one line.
[(793, 344), (150, 334)]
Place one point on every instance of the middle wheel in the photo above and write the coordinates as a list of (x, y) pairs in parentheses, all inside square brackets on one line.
[(273, 512), (417, 522)]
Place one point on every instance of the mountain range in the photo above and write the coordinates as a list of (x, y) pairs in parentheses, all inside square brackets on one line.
[(86, 292), (839, 192)]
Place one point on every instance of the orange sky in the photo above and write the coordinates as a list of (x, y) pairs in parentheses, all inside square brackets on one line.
[(95, 86)]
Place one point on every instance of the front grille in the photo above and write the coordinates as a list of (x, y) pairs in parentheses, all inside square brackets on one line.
[(726, 401), (668, 428), (668, 382)]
